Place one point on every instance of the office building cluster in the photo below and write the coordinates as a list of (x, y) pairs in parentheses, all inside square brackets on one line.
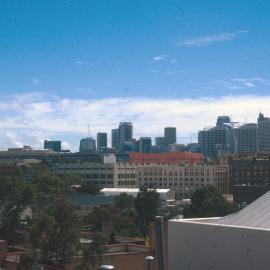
[(182, 177), (122, 141), (229, 137)]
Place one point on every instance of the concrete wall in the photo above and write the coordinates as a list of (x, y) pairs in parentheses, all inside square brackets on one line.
[(201, 246)]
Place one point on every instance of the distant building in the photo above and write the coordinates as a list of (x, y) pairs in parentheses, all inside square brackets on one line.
[(144, 144), (249, 177), (170, 135), (263, 133), (101, 140), (160, 142), (129, 146), (115, 138), (177, 147), (217, 140), (53, 145), (88, 145), (184, 179), (245, 138), (125, 132), (164, 194), (169, 157), (26, 153), (221, 120)]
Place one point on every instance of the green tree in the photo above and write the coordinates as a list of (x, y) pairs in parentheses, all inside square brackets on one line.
[(90, 189), (209, 202), (92, 253), (147, 205), (15, 195), (56, 230), (124, 201)]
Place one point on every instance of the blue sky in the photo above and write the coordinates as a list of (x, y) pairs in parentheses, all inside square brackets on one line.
[(96, 52)]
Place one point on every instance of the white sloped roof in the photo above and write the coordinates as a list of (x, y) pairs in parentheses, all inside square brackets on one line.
[(255, 215)]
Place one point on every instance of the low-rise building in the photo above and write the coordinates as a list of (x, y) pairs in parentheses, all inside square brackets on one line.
[(238, 241), (183, 179)]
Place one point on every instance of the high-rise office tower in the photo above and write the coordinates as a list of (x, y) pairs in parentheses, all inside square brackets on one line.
[(245, 138), (263, 133), (87, 145), (53, 145), (125, 132), (101, 140), (115, 138), (217, 140), (160, 141), (169, 135), (221, 120), (145, 144)]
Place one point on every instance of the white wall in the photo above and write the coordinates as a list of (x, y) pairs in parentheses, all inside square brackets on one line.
[(198, 246)]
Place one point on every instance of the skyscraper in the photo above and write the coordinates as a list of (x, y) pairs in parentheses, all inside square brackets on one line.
[(125, 132), (160, 142), (145, 144), (53, 145), (169, 135), (115, 138), (221, 120), (87, 145), (263, 133), (245, 138), (217, 140), (101, 140)]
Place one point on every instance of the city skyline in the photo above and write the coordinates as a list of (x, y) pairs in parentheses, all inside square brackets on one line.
[(190, 62)]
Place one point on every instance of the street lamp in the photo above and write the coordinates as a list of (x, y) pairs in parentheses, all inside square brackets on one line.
[(149, 260), (106, 267)]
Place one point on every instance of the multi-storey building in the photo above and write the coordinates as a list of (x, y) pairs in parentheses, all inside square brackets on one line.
[(115, 138), (263, 133), (101, 140), (169, 135), (249, 177), (53, 145), (87, 145), (125, 132), (214, 141), (169, 157), (217, 140), (183, 179), (245, 138), (102, 174), (144, 145)]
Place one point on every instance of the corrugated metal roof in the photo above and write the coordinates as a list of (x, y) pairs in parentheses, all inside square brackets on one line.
[(255, 215), (91, 200)]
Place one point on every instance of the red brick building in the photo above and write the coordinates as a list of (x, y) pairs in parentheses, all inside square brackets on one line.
[(169, 157)]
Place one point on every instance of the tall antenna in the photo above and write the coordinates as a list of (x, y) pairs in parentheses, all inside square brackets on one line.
[(88, 130)]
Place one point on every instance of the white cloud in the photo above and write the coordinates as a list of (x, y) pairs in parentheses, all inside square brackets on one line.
[(159, 58), (209, 40), (66, 119), (237, 83), (83, 63), (35, 80)]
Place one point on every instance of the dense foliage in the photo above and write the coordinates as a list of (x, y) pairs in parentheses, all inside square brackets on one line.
[(209, 202)]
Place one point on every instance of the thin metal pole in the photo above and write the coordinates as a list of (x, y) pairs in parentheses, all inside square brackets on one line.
[(160, 243), (149, 260)]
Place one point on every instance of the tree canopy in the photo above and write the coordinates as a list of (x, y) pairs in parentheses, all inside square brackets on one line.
[(209, 202)]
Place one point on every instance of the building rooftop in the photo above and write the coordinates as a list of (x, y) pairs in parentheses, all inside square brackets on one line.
[(255, 215), (91, 200), (130, 190)]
